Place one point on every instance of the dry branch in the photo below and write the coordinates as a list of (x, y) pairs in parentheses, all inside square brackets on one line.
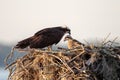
[(88, 63)]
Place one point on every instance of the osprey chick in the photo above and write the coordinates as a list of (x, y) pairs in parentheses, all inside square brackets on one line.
[(44, 38), (72, 43)]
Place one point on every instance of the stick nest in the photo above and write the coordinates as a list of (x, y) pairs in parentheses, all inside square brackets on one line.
[(82, 63)]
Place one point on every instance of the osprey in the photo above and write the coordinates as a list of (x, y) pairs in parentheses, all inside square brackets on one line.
[(44, 38), (73, 43)]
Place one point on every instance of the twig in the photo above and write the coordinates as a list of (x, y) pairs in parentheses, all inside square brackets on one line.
[(10, 65), (9, 56), (62, 62), (6, 59), (64, 75), (104, 41), (113, 41), (87, 42), (76, 56)]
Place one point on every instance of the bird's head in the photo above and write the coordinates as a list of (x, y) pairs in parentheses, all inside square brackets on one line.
[(68, 37), (66, 29)]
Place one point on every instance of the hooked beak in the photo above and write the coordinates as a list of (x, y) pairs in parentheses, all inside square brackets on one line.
[(69, 32)]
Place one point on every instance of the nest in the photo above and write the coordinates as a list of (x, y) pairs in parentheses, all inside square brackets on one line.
[(86, 63)]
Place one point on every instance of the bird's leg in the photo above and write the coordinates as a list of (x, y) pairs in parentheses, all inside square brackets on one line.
[(50, 48)]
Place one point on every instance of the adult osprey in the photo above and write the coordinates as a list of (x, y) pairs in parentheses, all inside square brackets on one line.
[(44, 38)]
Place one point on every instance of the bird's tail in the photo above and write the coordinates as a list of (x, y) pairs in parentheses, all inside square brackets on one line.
[(24, 43)]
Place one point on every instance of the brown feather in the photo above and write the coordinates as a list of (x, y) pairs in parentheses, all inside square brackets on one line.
[(44, 38), (72, 43)]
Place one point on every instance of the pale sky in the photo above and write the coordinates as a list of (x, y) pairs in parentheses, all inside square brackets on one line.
[(87, 19)]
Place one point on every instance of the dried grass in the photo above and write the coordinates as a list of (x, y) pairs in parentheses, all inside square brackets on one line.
[(87, 63)]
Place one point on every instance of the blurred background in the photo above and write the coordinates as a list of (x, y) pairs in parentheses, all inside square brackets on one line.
[(88, 20)]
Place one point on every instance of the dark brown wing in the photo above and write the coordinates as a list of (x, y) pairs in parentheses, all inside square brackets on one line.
[(41, 42), (24, 43), (47, 30), (44, 31), (44, 40)]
